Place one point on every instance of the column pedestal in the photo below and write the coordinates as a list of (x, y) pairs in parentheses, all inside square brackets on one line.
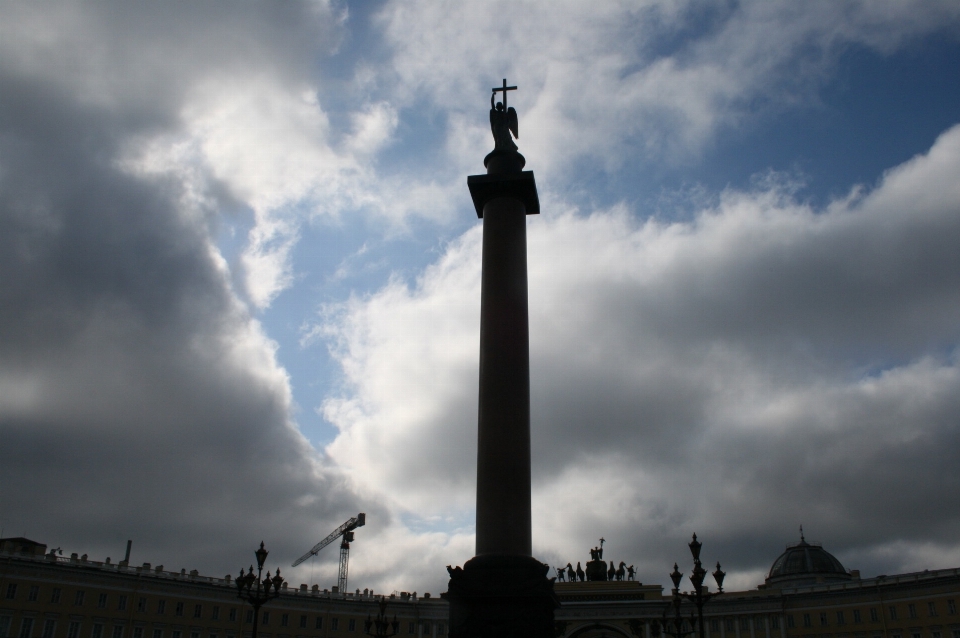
[(501, 596)]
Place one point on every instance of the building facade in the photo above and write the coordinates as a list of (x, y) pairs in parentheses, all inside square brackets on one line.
[(806, 595)]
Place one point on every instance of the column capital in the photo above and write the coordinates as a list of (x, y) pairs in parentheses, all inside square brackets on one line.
[(521, 186)]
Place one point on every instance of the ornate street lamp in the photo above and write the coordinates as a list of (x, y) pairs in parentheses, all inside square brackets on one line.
[(381, 625), (256, 590), (699, 595)]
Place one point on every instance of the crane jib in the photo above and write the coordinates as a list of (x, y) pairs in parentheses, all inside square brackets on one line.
[(357, 521)]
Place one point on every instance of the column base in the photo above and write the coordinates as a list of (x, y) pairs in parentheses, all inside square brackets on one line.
[(503, 597)]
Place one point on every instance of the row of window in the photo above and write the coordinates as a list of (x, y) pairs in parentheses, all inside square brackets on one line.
[(933, 634), (334, 623), (841, 617), (729, 625), (79, 598), (98, 629)]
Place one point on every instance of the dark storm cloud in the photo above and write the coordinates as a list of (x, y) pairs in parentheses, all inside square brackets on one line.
[(138, 397)]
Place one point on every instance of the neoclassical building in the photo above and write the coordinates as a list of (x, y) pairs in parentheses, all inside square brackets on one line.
[(807, 594)]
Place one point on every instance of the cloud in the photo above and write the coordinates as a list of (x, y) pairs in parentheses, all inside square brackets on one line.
[(141, 387), (137, 390), (762, 365), (619, 82)]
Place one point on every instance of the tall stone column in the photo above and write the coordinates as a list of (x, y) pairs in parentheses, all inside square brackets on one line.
[(503, 591)]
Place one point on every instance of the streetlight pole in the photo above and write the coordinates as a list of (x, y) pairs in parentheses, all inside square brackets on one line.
[(382, 627), (256, 589), (675, 602), (698, 596)]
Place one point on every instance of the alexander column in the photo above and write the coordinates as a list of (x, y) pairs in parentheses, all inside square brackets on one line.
[(503, 591)]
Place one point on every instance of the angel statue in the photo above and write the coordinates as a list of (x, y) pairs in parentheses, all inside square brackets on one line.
[(502, 123)]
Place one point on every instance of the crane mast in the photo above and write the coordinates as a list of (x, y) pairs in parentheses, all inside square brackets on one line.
[(344, 559), (346, 531)]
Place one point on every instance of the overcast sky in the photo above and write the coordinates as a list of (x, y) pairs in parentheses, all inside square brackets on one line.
[(239, 279)]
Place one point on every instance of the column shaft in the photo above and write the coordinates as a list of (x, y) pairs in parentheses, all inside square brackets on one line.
[(503, 450)]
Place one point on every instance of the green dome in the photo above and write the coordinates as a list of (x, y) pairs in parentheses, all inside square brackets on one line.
[(804, 563)]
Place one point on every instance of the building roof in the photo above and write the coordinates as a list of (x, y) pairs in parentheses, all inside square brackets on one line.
[(804, 563)]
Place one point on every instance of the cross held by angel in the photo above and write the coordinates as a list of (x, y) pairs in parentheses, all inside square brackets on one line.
[(503, 120)]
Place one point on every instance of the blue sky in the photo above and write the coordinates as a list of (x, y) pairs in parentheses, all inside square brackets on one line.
[(240, 278)]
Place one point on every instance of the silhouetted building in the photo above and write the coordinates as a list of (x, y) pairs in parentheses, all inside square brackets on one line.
[(807, 594)]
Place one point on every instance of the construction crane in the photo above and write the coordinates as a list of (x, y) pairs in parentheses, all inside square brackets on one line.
[(346, 531)]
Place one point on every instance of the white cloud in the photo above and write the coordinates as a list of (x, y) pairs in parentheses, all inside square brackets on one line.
[(706, 376), (612, 82)]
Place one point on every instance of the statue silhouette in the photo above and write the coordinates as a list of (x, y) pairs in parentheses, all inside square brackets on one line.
[(503, 121)]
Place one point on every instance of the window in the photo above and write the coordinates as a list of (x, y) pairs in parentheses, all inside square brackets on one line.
[(744, 624), (840, 618), (11, 591), (216, 612), (284, 620), (213, 635), (728, 623), (35, 592), (142, 604), (932, 609), (806, 621), (439, 628), (951, 607), (49, 627), (935, 634), (26, 628), (823, 618), (161, 606), (78, 601), (303, 622), (915, 635), (856, 616), (426, 628), (912, 610), (122, 603), (97, 631), (893, 612), (73, 629), (715, 625), (4, 626), (775, 622), (250, 615), (319, 623), (178, 610), (265, 619), (157, 633), (873, 615), (102, 601), (352, 624), (758, 622), (334, 624), (790, 621), (194, 634), (175, 633), (118, 631), (412, 628), (198, 611), (233, 614), (138, 632), (55, 596)]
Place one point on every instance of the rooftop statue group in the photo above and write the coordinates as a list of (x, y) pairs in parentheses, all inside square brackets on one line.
[(596, 569)]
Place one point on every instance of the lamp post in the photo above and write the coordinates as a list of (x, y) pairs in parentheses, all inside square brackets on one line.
[(699, 596), (256, 590), (677, 619), (380, 624)]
